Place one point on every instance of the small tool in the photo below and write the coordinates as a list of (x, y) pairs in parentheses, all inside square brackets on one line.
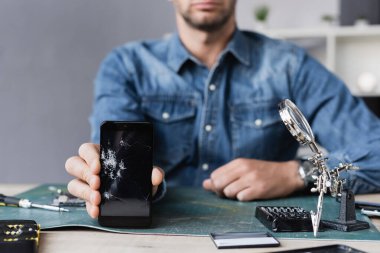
[(370, 212), (372, 206), (63, 199), (25, 203)]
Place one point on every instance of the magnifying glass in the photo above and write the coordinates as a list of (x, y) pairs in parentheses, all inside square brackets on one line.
[(297, 124)]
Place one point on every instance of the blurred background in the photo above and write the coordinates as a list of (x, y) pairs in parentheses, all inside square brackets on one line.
[(50, 51)]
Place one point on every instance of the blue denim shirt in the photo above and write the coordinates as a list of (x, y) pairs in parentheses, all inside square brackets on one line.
[(204, 118)]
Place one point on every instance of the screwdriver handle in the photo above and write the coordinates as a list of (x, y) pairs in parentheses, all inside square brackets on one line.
[(9, 200)]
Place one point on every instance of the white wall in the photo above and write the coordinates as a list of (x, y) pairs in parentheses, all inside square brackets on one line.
[(50, 51)]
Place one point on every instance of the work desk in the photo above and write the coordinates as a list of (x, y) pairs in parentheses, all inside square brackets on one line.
[(82, 240)]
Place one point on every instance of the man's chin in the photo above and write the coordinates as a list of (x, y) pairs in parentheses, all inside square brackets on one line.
[(206, 19), (208, 26)]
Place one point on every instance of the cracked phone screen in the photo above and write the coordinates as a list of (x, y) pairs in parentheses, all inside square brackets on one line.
[(126, 169)]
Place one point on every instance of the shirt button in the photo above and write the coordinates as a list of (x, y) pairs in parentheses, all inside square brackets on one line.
[(258, 122), (208, 128), (212, 87), (205, 166), (165, 115)]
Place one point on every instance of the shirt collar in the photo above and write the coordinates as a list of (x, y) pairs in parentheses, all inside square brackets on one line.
[(239, 47), (178, 54)]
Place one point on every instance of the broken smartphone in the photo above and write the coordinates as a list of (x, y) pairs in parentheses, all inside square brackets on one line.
[(126, 172)]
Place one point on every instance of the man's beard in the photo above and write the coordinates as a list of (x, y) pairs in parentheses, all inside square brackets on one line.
[(211, 25)]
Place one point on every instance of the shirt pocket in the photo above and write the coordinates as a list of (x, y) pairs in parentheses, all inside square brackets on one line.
[(173, 121), (257, 130)]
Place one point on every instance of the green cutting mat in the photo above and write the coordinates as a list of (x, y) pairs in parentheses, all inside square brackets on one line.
[(189, 211)]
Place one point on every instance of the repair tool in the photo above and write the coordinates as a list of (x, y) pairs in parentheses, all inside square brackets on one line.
[(25, 203)]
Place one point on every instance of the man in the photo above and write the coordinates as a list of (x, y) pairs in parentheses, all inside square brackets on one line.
[(212, 93)]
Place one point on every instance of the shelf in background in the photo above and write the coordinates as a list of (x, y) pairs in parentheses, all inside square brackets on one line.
[(347, 51), (336, 31)]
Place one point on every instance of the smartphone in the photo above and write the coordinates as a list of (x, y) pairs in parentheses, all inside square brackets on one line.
[(125, 176)]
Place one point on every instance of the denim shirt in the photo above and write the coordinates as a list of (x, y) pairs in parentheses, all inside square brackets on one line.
[(204, 118)]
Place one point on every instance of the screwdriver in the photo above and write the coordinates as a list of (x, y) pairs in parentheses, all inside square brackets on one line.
[(25, 203)]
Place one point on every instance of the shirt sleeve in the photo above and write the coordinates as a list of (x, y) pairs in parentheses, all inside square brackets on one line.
[(341, 123), (115, 95)]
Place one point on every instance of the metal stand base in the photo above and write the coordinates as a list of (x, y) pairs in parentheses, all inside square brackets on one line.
[(337, 225), (347, 218)]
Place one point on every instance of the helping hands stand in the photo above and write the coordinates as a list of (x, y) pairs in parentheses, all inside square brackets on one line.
[(326, 179), (347, 218)]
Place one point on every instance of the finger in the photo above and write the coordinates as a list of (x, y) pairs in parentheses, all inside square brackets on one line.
[(92, 210), (95, 182), (231, 190), (247, 194), (207, 184), (158, 175), (77, 167), (225, 168), (221, 180), (81, 190), (89, 152)]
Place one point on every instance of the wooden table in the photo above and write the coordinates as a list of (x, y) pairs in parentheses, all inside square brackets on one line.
[(94, 241)]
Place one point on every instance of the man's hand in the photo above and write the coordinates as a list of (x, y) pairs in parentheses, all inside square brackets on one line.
[(250, 179), (86, 168)]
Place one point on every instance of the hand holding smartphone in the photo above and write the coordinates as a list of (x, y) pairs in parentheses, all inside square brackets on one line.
[(126, 150)]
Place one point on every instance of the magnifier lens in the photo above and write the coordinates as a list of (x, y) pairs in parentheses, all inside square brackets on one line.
[(296, 122)]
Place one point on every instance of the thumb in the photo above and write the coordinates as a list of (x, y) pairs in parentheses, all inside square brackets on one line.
[(158, 175)]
